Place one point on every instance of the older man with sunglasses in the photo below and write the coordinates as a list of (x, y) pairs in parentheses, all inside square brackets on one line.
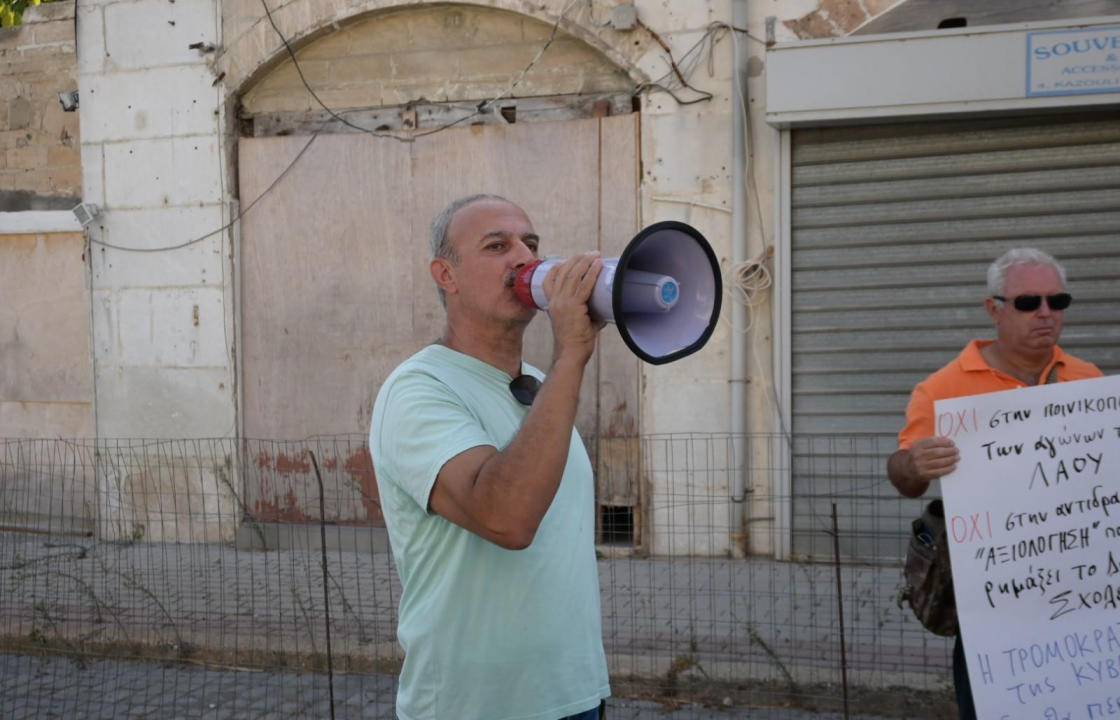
[(1026, 299), (487, 490)]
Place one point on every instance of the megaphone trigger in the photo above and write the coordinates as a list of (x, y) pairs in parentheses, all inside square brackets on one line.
[(663, 293)]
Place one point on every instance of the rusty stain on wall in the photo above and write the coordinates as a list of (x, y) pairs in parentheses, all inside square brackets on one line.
[(836, 18), (284, 508), (284, 488), (620, 422), (360, 467)]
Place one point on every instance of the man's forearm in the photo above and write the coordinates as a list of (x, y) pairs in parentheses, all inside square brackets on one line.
[(519, 483), (904, 475)]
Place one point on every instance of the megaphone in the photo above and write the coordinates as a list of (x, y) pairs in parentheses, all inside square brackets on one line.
[(663, 293)]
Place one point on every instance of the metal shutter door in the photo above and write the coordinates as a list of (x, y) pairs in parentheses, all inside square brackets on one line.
[(893, 227)]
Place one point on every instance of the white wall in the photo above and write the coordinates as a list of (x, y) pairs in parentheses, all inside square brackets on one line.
[(151, 157)]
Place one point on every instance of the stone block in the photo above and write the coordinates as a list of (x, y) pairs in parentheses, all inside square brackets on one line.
[(161, 43), (45, 53), (197, 264), (570, 53), (286, 77), (58, 31), (267, 102), (13, 86), (30, 157), (352, 96), (13, 38), (162, 173), (93, 166), (141, 491), (91, 37), (19, 113), (683, 15), (49, 12), (456, 28), (65, 180), (491, 61), (173, 327), (58, 125), (361, 69), (686, 152), (328, 45), (387, 33), (162, 102), (62, 156), (425, 65), (152, 402)]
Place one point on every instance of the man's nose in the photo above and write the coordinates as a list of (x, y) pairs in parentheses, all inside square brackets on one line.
[(524, 254)]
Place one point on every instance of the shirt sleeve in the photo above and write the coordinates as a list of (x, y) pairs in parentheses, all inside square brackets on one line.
[(919, 418), (423, 425)]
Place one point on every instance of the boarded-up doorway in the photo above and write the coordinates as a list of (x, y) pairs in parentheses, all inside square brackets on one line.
[(336, 292)]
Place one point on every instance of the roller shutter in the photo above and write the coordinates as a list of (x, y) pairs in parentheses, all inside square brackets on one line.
[(893, 227)]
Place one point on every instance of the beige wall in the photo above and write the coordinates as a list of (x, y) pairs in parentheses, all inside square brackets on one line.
[(441, 53), (40, 161), (44, 337), (252, 47)]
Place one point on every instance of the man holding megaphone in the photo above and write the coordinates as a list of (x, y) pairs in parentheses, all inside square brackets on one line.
[(487, 490)]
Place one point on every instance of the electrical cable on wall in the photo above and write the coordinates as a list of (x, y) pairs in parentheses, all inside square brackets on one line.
[(681, 70), (749, 281), (241, 213), (479, 109)]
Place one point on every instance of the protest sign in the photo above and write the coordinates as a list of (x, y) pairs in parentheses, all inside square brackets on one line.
[(1033, 519)]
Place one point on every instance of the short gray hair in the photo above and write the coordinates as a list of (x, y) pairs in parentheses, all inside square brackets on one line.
[(997, 271), (439, 242)]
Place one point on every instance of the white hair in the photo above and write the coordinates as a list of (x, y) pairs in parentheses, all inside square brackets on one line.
[(997, 271)]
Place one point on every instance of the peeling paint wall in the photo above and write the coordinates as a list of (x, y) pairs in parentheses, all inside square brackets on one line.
[(835, 18)]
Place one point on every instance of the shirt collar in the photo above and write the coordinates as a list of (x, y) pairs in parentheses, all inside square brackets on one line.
[(972, 361)]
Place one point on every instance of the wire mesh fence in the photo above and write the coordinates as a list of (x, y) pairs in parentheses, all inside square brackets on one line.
[(253, 579)]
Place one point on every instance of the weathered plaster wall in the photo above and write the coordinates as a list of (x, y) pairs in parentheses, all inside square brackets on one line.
[(39, 143), (436, 53), (158, 147), (684, 147), (44, 313), (834, 18), (253, 46), (151, 116), (44, 339)]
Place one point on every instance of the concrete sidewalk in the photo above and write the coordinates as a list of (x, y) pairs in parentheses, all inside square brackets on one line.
[(54, 688), (735, 632)]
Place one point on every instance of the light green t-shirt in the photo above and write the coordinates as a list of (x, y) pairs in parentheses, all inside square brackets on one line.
[(488, 633)]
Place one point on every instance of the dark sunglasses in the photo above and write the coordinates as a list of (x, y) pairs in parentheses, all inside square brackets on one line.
[(1030, 303), (524, 388)]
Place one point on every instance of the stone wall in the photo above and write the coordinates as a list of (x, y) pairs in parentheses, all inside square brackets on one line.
[(40, 158)]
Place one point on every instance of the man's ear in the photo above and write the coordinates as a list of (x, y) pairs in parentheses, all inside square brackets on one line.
[(992, 306), (443, 273)]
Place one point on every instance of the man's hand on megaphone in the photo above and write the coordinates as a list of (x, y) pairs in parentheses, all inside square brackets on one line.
[(568, 287)]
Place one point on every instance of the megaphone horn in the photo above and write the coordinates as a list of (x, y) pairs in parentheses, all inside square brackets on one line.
[(663, 293)]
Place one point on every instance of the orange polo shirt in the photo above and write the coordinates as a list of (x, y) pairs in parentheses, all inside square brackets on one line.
[(968, 374)]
